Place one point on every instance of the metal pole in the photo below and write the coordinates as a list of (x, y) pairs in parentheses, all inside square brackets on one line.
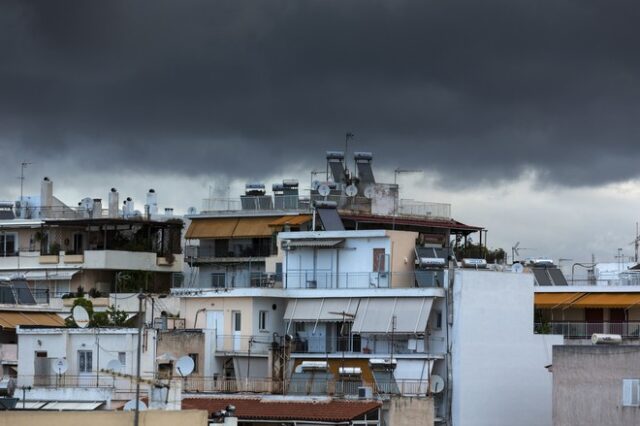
[(136, 418)]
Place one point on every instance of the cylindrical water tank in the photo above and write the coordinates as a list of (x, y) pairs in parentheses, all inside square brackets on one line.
[(152, 201), (606, 339)]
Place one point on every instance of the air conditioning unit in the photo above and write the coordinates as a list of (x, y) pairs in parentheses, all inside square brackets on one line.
[(365, 392)]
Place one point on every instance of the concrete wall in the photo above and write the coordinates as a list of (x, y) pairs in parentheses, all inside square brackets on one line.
[(102, 418), (65, 343), (407, 411), (183, 342), (403, 255), (498, 364), (587, 385)]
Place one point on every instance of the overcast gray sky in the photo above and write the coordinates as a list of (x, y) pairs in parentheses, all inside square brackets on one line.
[(524, 115)]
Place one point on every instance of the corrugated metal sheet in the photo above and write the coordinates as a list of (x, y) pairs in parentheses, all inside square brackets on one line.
[(71, 406)]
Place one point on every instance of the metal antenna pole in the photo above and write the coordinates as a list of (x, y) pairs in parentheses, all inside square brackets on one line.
[(23, 165), (136, 418)]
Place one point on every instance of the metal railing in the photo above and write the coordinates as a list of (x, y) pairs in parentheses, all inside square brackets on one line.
[(584, 330), (405, 207), (88, 380), (258, 344), (367, 344), (196, 252)]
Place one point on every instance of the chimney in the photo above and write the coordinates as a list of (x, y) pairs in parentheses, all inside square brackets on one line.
[(97, 208), (113, 203), (46, 197), (152, 202)]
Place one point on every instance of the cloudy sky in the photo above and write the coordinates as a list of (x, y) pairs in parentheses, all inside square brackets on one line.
[(524, 115)]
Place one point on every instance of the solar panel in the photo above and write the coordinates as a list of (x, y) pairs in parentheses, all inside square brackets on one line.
[(365, 173), (330, 219), (557, 276), (542, 278), (23, 293), (426, 278), (309, 383), (6, 294), (385, 381), (337, 170)]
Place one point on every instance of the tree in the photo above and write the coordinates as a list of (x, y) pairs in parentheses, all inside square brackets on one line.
[(472, 250), (117, 317)]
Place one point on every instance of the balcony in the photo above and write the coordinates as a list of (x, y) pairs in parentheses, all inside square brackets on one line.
[(359, 204), (242, 344), (309, 279), (584, 330), (365, 344)]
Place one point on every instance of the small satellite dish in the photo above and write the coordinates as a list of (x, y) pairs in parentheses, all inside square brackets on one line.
[(369, 191), (80, 316), (185, 366), (115, 366), (351, 190), (517, 268), (324, 190), (436, 384), (314, 185), (60, 366), (131, 405)]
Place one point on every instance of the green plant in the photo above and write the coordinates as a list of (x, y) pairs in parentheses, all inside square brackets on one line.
[(80, 292), (100, 319), (54, 249), (117, 317), (94, 293)]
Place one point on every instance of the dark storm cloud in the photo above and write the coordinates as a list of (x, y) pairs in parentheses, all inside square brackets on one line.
[(473, 90)]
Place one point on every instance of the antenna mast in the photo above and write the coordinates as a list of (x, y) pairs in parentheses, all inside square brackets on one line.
[(23, 165)]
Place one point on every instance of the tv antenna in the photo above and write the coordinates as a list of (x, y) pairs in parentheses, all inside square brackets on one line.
[(515, 251), (23, 165), (636, 244)]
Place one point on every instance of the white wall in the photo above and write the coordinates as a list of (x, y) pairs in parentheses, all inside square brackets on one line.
[(65, 343), (499, 374)]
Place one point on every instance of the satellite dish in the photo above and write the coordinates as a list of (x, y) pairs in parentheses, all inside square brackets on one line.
[(185, 366), (368, 192), (115, 366), (351, 190), (60, 366), (324, 190), (436, 384), (80, 316), (517, 268), (131, 405)]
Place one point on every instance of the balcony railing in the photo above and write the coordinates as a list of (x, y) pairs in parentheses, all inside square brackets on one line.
[(329, 387), (406, 207), (584, 330), (367, 344), (258, 344)]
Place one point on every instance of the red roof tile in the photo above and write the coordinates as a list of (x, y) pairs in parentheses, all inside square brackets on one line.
[(262, 409)]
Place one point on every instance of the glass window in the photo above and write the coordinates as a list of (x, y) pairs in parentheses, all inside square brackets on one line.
[(262, 320), (194, 357), (218, 280), (237, 321), (85, 361), (8, 246), (631, 392), (122, 357)]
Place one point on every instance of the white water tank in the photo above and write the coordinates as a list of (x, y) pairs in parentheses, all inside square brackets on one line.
[(606, 339)]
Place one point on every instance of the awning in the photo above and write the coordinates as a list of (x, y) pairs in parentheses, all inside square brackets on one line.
[(326, 309), (296, 220), (400, 314), (608, 300), (50, 275), (253, 227), (555, 300), (12, 319), (212, 228), (227, 227), (323, 243), (71, 406)]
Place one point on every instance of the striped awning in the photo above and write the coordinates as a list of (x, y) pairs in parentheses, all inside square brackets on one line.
[(586, 300), (293, 220), (231, 227), (398, 314), (324, 243), (12, 319), (555, 300)]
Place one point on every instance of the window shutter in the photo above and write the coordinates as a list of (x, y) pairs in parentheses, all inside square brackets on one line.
[(627, 391)]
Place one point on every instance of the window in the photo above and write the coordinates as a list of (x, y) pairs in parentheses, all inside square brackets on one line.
[(299, 327), (378, 260), (78, 243), (8, 246), (85, 361), (218, 279), (194, 357), (122, 357), (631, 392), (237, 320), (438, 315), (262, 320)]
